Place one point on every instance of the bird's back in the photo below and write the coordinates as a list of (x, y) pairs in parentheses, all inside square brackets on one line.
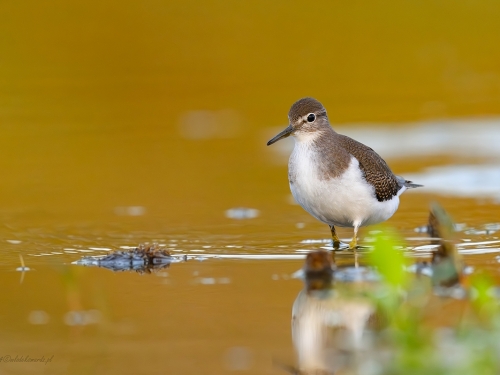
[(374, 168)]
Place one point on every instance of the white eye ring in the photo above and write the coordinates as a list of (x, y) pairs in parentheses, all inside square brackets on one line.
[(311, 117)]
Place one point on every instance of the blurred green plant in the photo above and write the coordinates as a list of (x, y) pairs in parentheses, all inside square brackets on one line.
[(389, 263), (422, 334)]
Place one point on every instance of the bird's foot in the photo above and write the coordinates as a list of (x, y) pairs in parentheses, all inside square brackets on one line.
[(339, 245), (336, 243)]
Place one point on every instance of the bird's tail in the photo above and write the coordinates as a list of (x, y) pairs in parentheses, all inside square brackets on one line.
[(408, 184), (411, 185)]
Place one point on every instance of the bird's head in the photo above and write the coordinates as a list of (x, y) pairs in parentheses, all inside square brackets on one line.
[(306, 118)]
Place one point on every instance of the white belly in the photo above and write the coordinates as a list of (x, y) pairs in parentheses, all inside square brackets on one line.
[(345, 201)]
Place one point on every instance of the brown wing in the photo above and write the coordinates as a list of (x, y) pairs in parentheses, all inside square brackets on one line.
[(375, 169)]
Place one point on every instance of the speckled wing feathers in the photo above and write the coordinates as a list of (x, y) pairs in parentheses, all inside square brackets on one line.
[(374, 168)]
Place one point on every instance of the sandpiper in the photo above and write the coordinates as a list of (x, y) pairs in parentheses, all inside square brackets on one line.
[(338, 180)]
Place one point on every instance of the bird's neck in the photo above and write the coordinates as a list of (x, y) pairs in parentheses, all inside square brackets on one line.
[(309, 137)]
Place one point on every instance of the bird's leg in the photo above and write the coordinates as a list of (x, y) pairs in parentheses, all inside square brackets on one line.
[(354, 243), (335, 238)]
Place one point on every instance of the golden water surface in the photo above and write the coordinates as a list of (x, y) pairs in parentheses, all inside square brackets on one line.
[(130, 122)]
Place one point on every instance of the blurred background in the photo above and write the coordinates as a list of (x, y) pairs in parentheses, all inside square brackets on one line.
[(166, 106), (137, 121)]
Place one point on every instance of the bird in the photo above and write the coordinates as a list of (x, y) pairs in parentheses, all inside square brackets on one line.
[(336, 179)]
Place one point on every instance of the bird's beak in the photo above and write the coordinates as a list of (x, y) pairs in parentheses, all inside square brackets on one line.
[(285, 133)]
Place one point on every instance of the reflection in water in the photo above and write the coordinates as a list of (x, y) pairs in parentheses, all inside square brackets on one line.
[(446, 269), (462, 180), (82, 317), (130, 210), (22, 269), (101, 149), (447, 264), (333, 321), (327, 326), (238, 358), (210, 124), (461, 137), (240, 213)]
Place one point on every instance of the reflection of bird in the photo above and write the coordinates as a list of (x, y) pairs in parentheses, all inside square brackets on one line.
[(338, 180), (326, 326)]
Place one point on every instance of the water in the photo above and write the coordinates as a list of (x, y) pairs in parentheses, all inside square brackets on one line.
[(144, 122), (228, 307), (225, 204)]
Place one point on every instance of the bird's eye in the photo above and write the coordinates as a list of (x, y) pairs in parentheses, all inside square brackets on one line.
[(311, 117)]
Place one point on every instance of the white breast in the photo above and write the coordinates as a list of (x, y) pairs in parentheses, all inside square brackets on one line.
[(346, 201)]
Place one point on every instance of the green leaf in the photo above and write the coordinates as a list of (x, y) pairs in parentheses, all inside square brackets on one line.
[(389, 262)]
